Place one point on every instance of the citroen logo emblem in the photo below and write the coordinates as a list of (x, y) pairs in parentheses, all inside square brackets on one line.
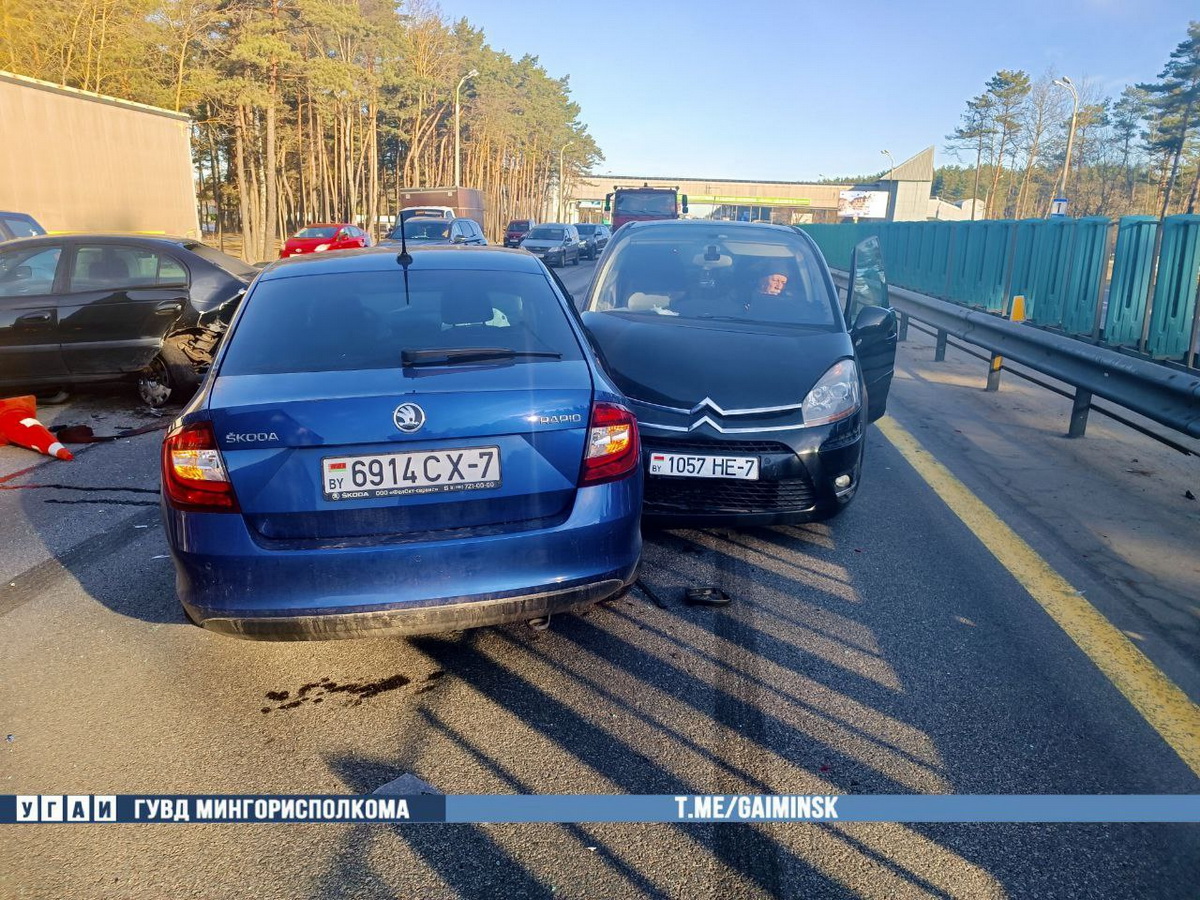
[(409, 417)]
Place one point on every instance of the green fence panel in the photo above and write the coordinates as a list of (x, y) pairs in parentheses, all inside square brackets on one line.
[(835, 241), (959, 263), (980, 263), (1089, 258), (1175, 288), (994, 264), (1021, 277), (936, 265), (1133, 261), (1045, 292), (910, 240)]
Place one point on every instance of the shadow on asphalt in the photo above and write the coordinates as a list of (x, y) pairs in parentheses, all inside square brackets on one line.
[(719, 687)]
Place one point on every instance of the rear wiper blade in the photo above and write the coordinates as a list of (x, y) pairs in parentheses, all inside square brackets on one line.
[(468, 355)]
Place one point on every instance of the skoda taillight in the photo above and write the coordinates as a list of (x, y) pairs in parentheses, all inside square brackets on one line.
[(194, 478), (613, 449)]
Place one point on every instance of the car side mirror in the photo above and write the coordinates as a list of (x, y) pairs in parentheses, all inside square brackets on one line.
[(873, 323), (22, 273)]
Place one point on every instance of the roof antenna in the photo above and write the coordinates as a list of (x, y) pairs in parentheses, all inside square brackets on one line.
[(405, 258)]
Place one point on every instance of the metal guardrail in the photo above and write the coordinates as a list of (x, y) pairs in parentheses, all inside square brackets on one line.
[(1165, 395)]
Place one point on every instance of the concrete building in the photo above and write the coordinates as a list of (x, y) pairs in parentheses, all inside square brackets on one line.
[(786, 202)]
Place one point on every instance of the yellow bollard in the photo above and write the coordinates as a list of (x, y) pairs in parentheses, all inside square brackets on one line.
[(1016, 314)]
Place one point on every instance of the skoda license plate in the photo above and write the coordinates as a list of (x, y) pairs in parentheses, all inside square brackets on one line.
[(401, 474)]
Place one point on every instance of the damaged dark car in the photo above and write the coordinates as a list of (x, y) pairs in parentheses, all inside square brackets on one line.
[(752, 382), (150, 311)]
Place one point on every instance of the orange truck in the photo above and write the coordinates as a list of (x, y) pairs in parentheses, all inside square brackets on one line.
[(644, 204)]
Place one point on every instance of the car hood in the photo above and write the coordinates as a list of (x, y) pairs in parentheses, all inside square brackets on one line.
[(678, 364), (542, 245)]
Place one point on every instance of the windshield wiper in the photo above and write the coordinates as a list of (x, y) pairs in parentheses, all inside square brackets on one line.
[(468, 355)]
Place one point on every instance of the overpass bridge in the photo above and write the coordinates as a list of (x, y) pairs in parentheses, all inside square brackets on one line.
[(907, 186)]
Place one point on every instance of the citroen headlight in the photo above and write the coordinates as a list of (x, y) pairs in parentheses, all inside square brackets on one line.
[(321, 247), (835, 396)]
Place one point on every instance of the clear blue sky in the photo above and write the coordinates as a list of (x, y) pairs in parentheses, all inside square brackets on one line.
[(767, 89)]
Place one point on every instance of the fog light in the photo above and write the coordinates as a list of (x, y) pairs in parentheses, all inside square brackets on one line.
[(841, 482)]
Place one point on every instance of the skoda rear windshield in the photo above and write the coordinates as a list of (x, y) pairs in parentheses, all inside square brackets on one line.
[(366, 320)]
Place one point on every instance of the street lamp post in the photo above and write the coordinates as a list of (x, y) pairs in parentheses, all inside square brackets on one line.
[(1070, 86), (892, 162), (458, 131), (560, 178), (891, 185)]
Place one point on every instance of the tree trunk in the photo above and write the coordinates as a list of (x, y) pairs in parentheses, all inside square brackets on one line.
[(239, 131), (1184, 124)]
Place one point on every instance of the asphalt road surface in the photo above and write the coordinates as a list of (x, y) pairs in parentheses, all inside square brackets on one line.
[(888, 651)]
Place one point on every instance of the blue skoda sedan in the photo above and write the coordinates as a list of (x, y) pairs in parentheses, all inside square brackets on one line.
[(401, 444)]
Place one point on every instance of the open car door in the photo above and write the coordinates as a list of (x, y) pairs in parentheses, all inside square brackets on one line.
[(872, 323)]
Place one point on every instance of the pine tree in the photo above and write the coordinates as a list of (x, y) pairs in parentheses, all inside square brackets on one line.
[(1176, 100)]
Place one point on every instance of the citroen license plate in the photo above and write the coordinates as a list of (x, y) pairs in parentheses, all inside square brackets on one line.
[(688, 466)]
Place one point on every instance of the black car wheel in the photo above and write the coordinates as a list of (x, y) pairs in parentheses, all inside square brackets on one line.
[(577, 255), (169, 376), (154, 383)]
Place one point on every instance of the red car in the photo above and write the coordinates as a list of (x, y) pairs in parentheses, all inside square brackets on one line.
[(316, 238)]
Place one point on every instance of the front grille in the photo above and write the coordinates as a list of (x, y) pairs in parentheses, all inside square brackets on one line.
[(702, 445), (711, 495)]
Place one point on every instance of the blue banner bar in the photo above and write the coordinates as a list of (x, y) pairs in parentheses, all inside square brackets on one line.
[(504, 808), (844, 808)]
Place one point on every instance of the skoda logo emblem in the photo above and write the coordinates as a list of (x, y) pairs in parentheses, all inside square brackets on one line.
[(409, 417)]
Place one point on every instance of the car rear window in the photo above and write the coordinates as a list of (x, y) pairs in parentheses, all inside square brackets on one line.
[(22, 226), (365, 320), (323, 231), (423, 229), (230, 264)]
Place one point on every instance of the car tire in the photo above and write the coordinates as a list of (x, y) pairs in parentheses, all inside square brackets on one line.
[(576, 258), (169, 376), (154, 384)]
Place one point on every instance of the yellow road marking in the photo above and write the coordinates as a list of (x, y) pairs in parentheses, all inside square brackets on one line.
[(1156, 698)]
